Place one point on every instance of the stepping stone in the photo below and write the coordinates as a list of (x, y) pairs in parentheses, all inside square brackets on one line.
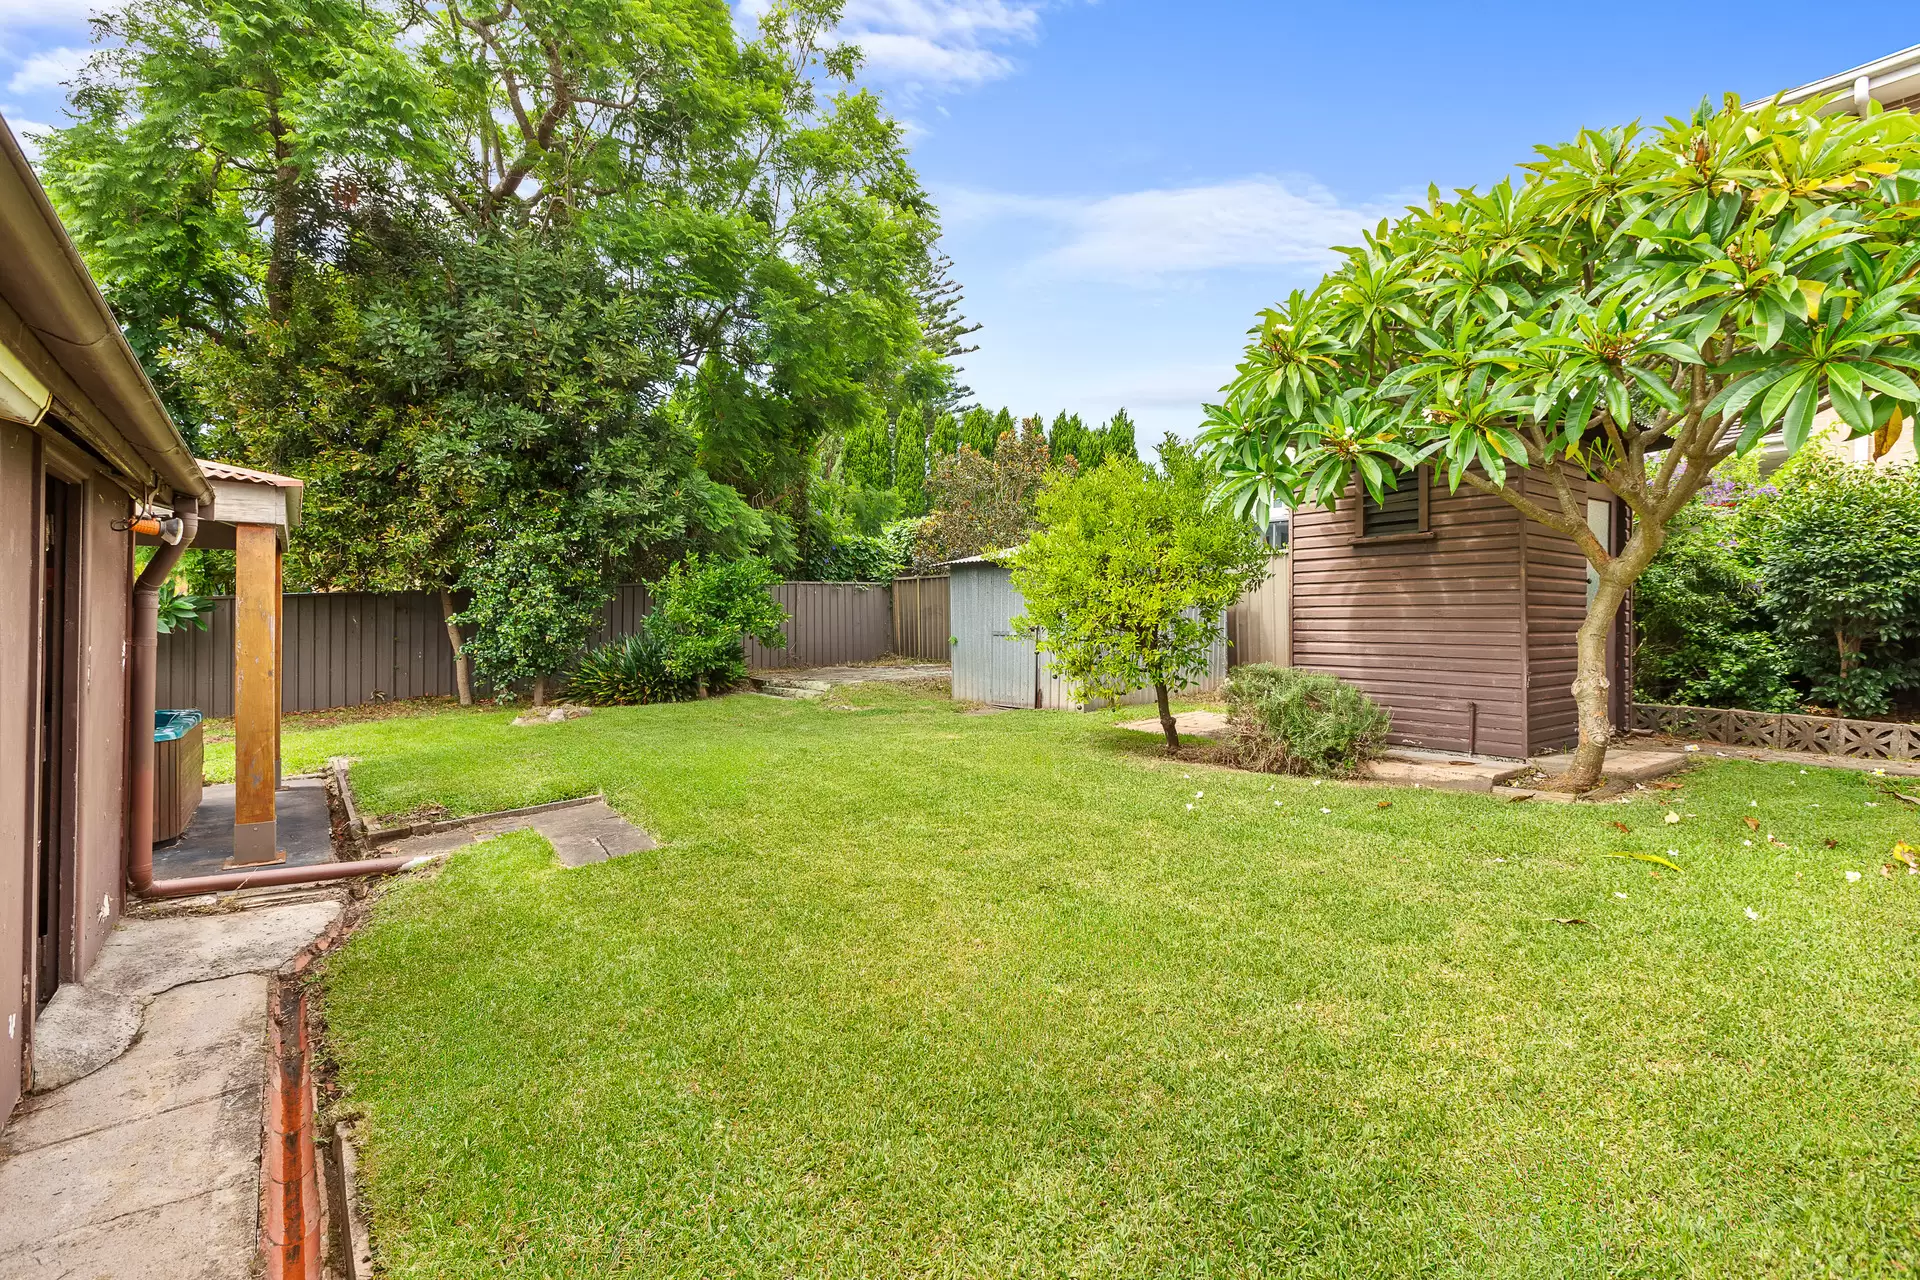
[(590, 833)]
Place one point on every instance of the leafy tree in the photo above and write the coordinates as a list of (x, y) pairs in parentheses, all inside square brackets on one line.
[(867, 458), (705, 609), (944, 437), (1119, 442), (1639, 308), (1070, 438), (984, 504), (1841, 567), (977, 431), (910, 460), (1128, 578), (536, 596)]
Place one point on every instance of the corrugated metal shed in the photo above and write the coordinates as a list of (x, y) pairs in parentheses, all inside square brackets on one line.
[(993, 665)]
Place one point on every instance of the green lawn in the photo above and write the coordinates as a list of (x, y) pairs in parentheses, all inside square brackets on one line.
[(915, 993)]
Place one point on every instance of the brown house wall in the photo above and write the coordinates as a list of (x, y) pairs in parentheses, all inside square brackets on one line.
[(94, 771), (19, 472), (1431, 626), (1556, 606), (106, 613)]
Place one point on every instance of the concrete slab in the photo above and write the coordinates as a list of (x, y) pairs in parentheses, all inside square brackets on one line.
[(201, 1041), (203, 1237), (580, 835), (146, 957), (1624, 764), (149, 1165), (1464, 776), (81, 1030), (1188, 724), (304, 828)]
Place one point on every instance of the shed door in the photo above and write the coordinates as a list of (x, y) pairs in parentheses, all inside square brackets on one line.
[(1013, 665)]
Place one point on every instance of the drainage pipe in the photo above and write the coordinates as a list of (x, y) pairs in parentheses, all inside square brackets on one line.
[(145, 659), (278, 877)]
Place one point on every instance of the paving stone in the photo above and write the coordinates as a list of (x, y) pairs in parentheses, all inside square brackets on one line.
[(81, 1030), (209, 1236), (1624, 764), (1465, 776), (199, 1041), (145, 957)]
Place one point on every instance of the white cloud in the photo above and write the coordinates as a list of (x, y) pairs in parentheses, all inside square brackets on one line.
[(926, 45), (48, 13), (27, 132), (48, 69), (1144, 237)]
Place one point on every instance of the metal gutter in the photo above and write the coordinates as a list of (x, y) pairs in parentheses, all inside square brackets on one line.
[(1894, 78), (45, 283)]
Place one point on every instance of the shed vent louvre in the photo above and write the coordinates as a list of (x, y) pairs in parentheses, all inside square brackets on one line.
[(1400, 513)]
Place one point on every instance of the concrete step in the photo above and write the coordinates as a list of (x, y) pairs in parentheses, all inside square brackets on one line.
[(805, 690)]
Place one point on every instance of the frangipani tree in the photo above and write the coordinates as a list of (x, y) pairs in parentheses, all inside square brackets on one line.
[(1637, 308)]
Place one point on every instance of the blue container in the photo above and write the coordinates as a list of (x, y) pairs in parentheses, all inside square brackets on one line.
[(171, 726)]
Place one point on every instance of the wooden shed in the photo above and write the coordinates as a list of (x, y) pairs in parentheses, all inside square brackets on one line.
[(1452, 611), (993, 665)]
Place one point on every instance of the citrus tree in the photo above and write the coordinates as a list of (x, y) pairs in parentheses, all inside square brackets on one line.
[(1128, 577), (1638, 307)]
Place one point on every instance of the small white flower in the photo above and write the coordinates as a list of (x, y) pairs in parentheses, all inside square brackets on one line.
[(1326, 811), (1852, 876), (1618, 894), (1803, 771), (1752, 914), (1691, 747), (1198, 794), (1276, 804), (1673, 853), (1316, 782), (1879, 773), (1189, 808), (1747, 843), (1753, 804), (1672, 817), (1873, 804)]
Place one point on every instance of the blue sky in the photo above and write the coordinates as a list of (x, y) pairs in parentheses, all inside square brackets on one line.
[(1126, 183)]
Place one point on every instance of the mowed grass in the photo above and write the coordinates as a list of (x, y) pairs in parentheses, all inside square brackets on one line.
[(908, 992)]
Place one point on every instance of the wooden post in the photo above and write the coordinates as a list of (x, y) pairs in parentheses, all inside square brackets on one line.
[(256, 690)]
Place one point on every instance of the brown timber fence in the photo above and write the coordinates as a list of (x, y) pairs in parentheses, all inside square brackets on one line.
[(1822, 735)]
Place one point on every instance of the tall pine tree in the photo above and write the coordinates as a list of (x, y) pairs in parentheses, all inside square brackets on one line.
[(1118, 439), (910, 460)]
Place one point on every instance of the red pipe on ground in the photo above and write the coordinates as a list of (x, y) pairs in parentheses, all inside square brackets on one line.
[(275, 877)]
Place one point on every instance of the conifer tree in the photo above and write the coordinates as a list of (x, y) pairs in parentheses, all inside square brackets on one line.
[(910, 460)]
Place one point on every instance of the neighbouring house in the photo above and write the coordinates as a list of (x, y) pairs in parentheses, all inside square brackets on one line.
[(994, 665)]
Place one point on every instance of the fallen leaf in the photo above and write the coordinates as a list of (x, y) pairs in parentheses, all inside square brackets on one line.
[(1752, 823), (1646, 857), (1909, 799), (1568, 920), (1621, 826), (1666, 786), (1832, 844), (1886, 869), (1852, 876), (1906, 853), (1384, 804), (1672, 817)]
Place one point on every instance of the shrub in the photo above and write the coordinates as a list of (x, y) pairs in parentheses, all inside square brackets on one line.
[(630, 671), (705, 609), (1284, 720), (1842, 575), (1706, 639)]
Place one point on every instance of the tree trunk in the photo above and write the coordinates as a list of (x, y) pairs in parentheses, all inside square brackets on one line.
[(1590, 683), (1167, 725), (462, 665), (540, 691)]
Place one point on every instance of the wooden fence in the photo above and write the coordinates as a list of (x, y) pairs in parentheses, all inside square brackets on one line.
[(1823, 735), (922, 621)]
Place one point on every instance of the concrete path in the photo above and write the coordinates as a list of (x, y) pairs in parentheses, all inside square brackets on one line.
[(815, 682), (580, 834), (144, 1162)]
